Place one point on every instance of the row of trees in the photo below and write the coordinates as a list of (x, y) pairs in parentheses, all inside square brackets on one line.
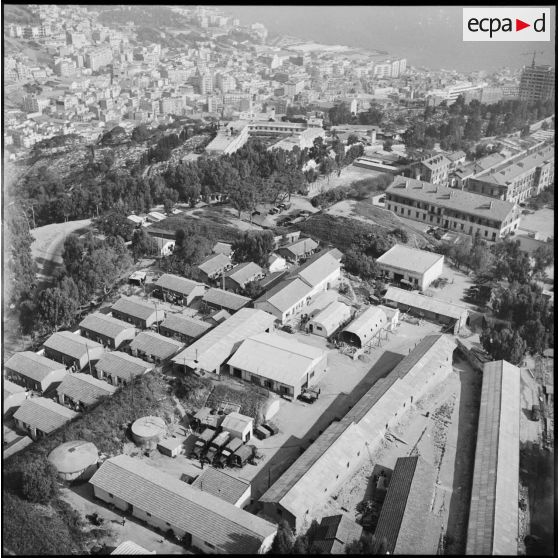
[(457, 126), (341, 114)]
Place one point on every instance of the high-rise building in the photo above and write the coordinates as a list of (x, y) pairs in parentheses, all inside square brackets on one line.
[(98, 57), (537, 83)]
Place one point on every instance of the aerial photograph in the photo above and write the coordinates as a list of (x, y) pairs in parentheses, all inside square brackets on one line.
[(278, 279)]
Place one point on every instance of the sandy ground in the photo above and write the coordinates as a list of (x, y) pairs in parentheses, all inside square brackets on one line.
[(81, 499), (454, 290)]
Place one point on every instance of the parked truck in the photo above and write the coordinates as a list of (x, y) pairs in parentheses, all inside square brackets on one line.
[(225, 457), (217, 445), (202, 442)]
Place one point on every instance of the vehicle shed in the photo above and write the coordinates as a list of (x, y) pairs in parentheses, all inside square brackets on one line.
[(418, 267), (427, 307)]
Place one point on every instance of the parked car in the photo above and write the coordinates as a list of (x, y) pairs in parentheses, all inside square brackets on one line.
[(225, 458), (262, 433), (217, 445), (309, 395), (288, 328), (271, 427), (202, 443)]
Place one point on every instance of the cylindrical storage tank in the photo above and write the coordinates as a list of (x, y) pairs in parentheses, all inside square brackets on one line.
[(76, 460), (148, 431)]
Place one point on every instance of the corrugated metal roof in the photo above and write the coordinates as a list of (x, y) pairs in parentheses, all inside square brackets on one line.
[(371, 320), (317, 268), (157, 345), (9, 389), (104, 325), (70, 344), (225, 299), (32, 365), (286, 294), (221, 484), (244, 272), (130, 547), (494, 514), (84, 388), (214, 263), (333, 315), (122, 365), (451, 198), (426, 303), (409, 496), (44, 414), (278, 358), (335, 531), (185, 325), (136, 307), (409, 259), (177, 284), (230, 529), (211, 350)]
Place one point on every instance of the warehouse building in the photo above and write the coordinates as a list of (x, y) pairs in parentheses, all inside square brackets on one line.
[(39, 417), (118, 368), (209, 353), (154, 347), (416, 268), (300, 494), (452, 209), (278, 363), (72, 350), (428, 307), (183, 328), (79, 391), (34, 372), (226, 487), (106, 330), (200, 519), (135, 310), (179, 290), (494, 512), (220, 299), (327, 321), (409, 496)]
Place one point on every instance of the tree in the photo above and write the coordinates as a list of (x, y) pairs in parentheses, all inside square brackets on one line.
[(168, 205), (253, 246), (367, 544), (21, 267), (143, 244), (115, 223), (360, 264), (140, 133), (283, 541), (503, 345), (58, 305), (38, 481), (352, 139), (387, 145), (535, 336), (544, 256)]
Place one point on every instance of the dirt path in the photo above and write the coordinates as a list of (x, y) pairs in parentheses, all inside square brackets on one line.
[(48, 246)]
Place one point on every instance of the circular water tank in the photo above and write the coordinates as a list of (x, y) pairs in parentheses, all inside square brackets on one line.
[(76, 460), (147, 431)]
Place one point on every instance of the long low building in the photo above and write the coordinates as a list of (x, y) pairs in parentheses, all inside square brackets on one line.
[(135, 310), (154, 347), (494, 512), (118, 368), (106, 330), (73, 350), (409, 496), (278, 363), (328, 320), (34, 371), (220, 299), (210, 352), (301, 492), (427, 307), (452, 209), (200, 519), (40, 417), (79, 391), (179, 289), (183, 328)]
